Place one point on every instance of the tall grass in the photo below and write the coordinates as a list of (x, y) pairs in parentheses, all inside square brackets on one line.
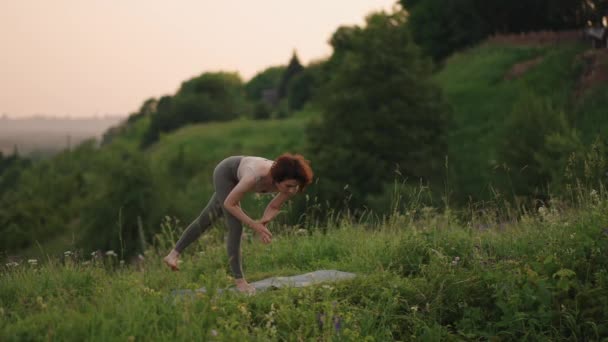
[(422, 275)]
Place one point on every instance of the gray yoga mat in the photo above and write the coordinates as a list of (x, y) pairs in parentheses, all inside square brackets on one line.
[(307, 279)]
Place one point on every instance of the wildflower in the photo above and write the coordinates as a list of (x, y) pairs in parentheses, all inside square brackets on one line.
[(12, 264), (67, 253), (111, 253), (32, 262), (414, 308), (337, 323), (140, 257), (302, 231), (213, 332)]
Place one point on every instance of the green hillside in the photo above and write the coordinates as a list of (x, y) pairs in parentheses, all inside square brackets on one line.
[(185, 159), (477, 85)]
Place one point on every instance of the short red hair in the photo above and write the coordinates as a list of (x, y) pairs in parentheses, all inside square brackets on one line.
[(292, 166)]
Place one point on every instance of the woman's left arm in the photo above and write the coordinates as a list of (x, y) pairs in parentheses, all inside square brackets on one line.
[(274, 207)]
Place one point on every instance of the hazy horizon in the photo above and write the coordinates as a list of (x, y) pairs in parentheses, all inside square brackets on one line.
[(81, 59)]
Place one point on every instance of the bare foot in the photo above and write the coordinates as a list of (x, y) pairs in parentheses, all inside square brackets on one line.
[(171, 260), (244, 287)]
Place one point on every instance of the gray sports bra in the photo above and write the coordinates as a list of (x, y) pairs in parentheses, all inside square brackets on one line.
[(257, 177)]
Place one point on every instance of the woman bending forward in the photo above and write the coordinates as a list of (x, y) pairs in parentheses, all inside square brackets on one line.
[(232, 178)]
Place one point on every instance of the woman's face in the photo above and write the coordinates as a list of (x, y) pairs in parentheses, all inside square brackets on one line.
[(290, 186)]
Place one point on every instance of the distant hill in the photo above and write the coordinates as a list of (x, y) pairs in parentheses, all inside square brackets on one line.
[(41, 136)]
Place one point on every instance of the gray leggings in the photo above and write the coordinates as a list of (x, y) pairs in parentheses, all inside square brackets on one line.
[(224, 180)]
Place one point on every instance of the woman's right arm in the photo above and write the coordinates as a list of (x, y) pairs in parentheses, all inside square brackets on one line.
[(233, 207)]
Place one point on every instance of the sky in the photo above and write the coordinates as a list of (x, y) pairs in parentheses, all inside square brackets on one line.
[(82, 58)]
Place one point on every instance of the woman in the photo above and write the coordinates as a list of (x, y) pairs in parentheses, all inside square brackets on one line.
[(232, 179)]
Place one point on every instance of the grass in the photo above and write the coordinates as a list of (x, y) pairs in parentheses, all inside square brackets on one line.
[(474, 84), (420, 277)]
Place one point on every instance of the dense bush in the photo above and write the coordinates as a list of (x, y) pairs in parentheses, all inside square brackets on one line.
[(380, 112)]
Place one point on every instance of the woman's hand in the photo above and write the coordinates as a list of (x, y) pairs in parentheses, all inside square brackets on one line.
[(263, 232)]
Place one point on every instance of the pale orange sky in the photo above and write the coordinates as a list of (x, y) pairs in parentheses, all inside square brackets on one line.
[(96, 57)]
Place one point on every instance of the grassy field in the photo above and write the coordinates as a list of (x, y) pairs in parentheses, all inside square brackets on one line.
[(421, 276)]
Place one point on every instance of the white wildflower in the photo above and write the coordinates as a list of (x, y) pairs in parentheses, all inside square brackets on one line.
[(111, 253), (32, 262), (67, 253), (12, 264), (213, 332)]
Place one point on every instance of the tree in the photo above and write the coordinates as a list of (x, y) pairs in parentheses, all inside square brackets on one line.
[(380, 111), (293, 68), (209, 97), (265, 80), (125, 206), (442, 27), (302, 87)]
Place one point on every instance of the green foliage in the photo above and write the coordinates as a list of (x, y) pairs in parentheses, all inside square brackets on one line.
[(587, 167), (542, 278), (535, 143), (484, 98), (10, 168), (124, 205), (442, 28), (46, 198), (131, 129), (261, 111), (264, 80), (380, 112), (293, 68), (302, 87), (210, 97)]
